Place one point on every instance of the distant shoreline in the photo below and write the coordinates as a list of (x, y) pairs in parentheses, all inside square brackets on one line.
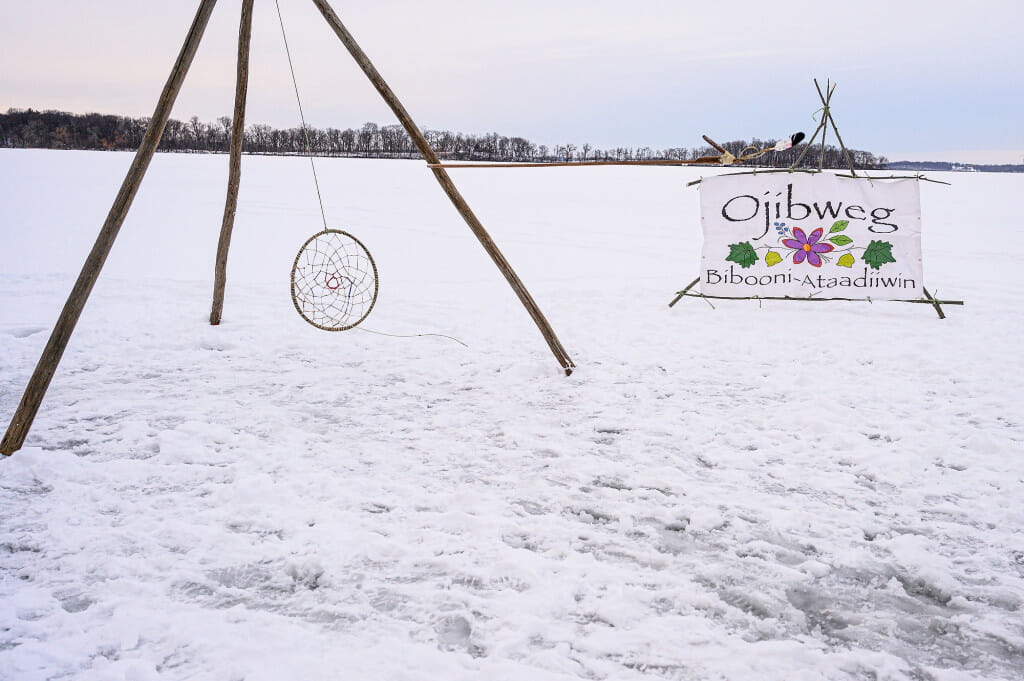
[(908, 166), (32, 129), (28, 128), (953, 167)]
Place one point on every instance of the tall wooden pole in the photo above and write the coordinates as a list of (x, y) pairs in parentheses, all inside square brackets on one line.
[(446, 183), (235, 163), (40, 381)]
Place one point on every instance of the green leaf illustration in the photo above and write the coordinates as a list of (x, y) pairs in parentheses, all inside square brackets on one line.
[(846, 260), (838, 226), (841, 240), (772, 258), (878, 253), (743, 254)]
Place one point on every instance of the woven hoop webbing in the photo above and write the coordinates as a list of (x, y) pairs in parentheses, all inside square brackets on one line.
[(334, 281)]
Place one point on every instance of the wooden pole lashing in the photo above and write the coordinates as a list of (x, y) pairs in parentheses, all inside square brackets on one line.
[(446, 183), (679, 296), (14, 438), (936, 303), (234, 164)]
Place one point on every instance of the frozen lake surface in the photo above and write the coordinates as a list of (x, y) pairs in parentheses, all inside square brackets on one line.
[(776, 491)]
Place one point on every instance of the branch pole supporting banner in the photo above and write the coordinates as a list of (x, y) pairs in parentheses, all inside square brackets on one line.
[(65, 326), (446, 183)]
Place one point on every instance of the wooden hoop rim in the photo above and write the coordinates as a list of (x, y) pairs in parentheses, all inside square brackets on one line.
[(376, 281)]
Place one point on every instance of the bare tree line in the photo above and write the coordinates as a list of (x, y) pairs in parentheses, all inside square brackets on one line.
[(26, 128)]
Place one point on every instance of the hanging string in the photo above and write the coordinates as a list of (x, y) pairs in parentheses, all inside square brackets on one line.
[(302, 116), (411, 335), (316, 182)]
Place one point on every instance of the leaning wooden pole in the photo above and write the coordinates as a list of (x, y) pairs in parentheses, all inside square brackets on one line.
[(220, 273), (40, 381), (446, 183)]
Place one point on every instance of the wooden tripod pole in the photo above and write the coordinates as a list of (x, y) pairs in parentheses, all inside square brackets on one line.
[(234, 164), (446, 183), (40, 381), (828, 113)]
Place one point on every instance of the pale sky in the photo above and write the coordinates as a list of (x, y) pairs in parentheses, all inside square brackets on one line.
[(938, 79)]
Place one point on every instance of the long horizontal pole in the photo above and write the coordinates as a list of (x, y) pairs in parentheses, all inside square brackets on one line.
[(709, 160), (856, 300)]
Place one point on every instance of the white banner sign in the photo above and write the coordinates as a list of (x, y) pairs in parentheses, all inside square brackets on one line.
[(798, 235)]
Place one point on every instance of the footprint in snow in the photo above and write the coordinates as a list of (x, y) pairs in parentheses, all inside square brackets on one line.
[(25, 331)]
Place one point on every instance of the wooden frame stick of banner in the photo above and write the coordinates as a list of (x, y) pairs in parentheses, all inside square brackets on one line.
[(929, 300), (682, 293), (815, 172)]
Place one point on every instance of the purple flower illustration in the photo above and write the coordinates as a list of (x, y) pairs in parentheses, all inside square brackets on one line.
[(807, 246)]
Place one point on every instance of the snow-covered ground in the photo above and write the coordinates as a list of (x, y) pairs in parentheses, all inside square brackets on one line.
[(776, 491)]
